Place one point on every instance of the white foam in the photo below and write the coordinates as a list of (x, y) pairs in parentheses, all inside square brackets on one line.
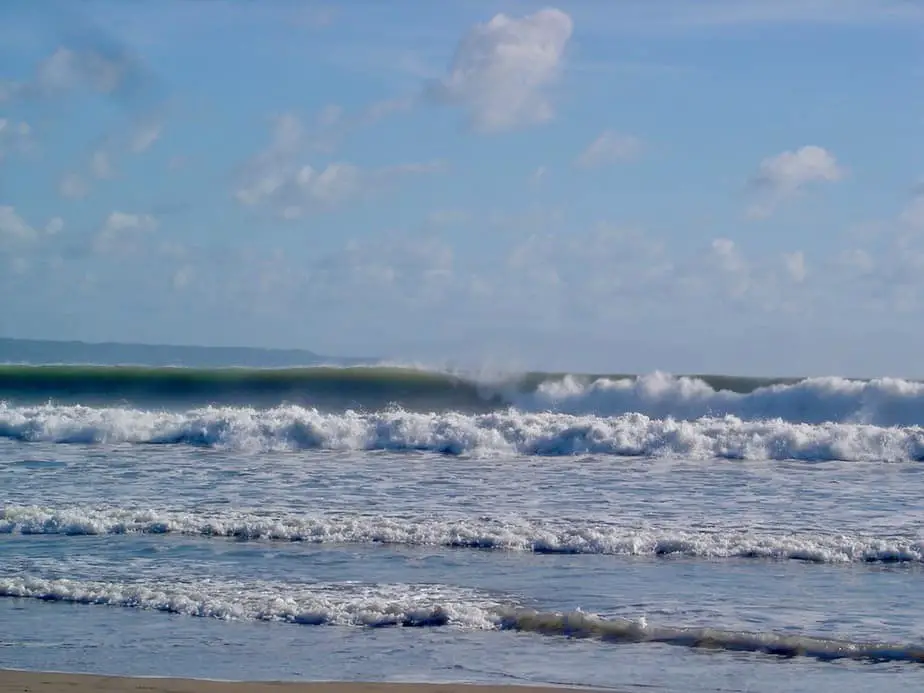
[(510, 535), (883, 401), (351, 604), (344, 604), (498, 433)]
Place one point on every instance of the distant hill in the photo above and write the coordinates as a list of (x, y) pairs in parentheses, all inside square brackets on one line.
[(34, 351)]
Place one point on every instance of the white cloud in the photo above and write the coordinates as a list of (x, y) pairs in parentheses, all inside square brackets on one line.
[(795, 266), (781, 176), (73, 186), (100, 164), (13, 226), (68, 69), (402, 269), (275, 178), (9, 90), (54, 226), (145, 134), (378, 110), (330, 115), (107, 72), (182, 277), (732, 265), (539, 174), (913, 213), (610, 147), (333, 124), (123, 231), (857, 260), (13, 136), (97, 69), (19, 265), (502, 70)]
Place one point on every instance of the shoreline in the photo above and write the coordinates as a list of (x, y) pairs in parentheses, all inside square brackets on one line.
[(21, 681)]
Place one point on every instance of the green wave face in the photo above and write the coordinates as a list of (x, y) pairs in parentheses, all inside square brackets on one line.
[(364, 387), (317, 386)]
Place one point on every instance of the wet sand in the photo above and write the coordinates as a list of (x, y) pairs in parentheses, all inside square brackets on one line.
[(41, 682)]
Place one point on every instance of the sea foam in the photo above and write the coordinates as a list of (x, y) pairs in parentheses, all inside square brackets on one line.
[(508, 432), (376, 606), (509, 534)]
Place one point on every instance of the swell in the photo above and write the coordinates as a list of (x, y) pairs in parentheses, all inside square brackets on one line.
[(519, 535), (426, 607), (881, 402), (500, 433), (337, 386)]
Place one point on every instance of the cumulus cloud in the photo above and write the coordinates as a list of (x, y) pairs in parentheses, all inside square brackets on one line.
[(54, 226), (539, 174), (275, 177), (502, 70), (101, 164), (913, 213), (145, 134), (333, 124), (609, 148), (856, 260), (786, 174), (67, 69), (795, 266), (14, 228), (413, 268), (9, 90), (73, 186), (123, 231), (97, 65), (13, 136), (732, 266)]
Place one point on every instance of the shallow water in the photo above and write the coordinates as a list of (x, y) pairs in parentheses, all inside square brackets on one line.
[(419, 566)]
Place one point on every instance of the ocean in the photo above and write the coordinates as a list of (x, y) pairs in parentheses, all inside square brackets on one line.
[(387, 523)]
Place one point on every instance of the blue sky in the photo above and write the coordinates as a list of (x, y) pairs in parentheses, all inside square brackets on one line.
[(720, 185)]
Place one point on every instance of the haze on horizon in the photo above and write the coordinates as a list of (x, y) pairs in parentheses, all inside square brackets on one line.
[(726, 186)]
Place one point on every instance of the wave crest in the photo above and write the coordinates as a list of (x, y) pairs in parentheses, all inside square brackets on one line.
[(880, 402), (507, 432), (506, 535), (429, 606)]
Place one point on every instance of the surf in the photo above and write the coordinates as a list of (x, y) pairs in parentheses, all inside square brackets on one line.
[(884, 402)]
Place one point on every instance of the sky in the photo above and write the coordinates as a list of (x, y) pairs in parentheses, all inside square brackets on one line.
[(731, 186)]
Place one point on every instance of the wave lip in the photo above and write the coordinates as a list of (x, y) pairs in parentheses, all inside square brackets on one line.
[(880, 402), (422, 606), (500, 535), (580, 625), (508, 432), (344, 604)]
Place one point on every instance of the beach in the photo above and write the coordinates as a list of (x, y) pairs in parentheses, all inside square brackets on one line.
[(44, 682)]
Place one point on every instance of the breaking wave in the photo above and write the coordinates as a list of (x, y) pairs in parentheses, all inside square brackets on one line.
[(880, 402), (428, 606), (474, 533), (507, 432)]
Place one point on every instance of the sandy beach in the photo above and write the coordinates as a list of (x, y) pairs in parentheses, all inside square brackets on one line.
[(41, 682)]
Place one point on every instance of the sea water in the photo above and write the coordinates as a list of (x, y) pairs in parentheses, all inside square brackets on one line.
[(656, 532)]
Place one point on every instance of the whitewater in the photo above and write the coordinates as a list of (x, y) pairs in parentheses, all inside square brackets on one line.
[(600, 530)]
